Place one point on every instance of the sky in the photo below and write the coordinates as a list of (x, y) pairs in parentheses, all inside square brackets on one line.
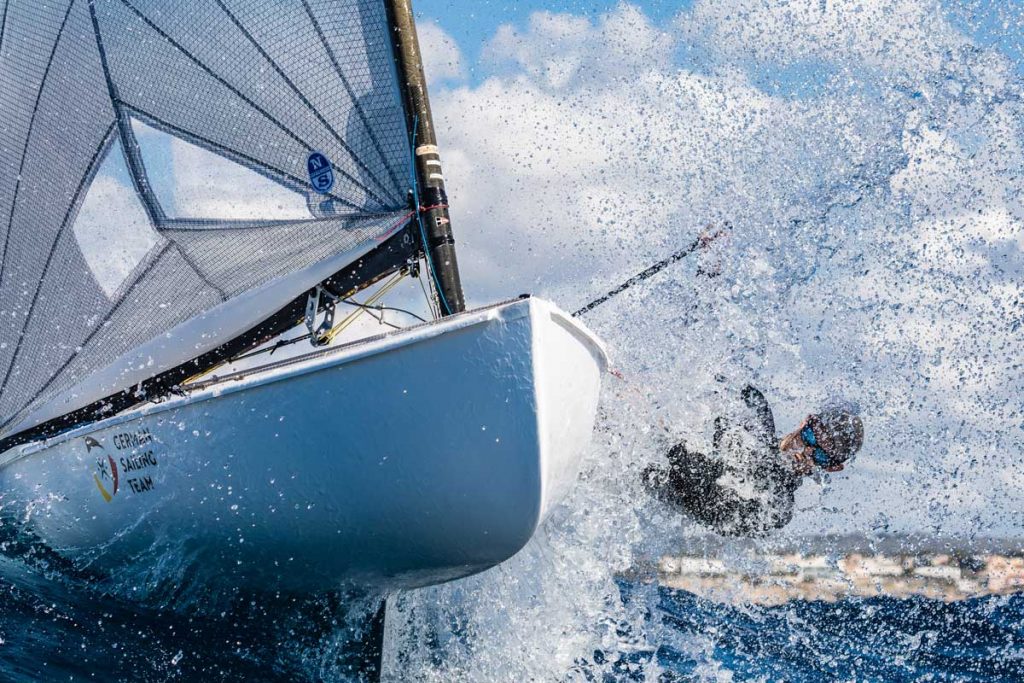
[(472, 24), (863, 161), (867, 158)]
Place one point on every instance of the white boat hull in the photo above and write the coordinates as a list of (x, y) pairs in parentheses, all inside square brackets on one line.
[(407, 460)]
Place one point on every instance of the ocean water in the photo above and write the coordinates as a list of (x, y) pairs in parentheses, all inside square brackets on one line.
[(55, 629), (877, 639)]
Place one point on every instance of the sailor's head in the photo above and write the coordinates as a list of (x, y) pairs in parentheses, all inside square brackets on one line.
[(826, 440)]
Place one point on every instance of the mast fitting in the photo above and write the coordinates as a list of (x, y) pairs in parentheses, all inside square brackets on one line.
[(319, 335)]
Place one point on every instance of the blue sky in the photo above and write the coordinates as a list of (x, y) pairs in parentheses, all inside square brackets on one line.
[(847, 182), (996, 23), (471, 24)]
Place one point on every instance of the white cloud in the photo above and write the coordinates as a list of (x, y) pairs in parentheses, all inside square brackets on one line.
[(877, 224), (875, 251), (909, 38), (559, 50), (207, 185), (442, 59)]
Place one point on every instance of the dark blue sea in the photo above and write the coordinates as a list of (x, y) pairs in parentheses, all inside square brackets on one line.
[(874, 639), (59, 628)]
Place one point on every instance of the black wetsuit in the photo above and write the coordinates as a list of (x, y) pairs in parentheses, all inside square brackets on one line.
[(747, 489)]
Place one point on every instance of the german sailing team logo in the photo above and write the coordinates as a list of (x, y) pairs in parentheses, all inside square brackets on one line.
[(106, 470), (321, 175)]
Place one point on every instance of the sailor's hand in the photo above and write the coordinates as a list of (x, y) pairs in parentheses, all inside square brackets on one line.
[(710, 234), (803, 461)]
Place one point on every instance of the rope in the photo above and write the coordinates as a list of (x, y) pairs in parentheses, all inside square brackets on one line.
[(644, 275), (431, 301), (329, 336), (351, 318), (424, 209), (384, 308)]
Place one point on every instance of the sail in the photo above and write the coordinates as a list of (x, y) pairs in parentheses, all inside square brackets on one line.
[(111, 236)]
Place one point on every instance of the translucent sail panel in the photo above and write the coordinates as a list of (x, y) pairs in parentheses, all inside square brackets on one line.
[(190, 182), (285, 106), (57, 124), (112, 230)]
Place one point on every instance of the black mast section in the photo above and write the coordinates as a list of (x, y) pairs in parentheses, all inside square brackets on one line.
[(432, 200)]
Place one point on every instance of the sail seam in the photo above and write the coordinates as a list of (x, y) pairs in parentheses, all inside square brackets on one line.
[(250, 162), (180, 48), (3, 25), (28, 140), (291, 84), (129, 146), (86, 180), (352, 95), (198, 271), (101, 325)]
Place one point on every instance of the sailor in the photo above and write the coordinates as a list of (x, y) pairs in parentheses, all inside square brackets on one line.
[(747, 488)]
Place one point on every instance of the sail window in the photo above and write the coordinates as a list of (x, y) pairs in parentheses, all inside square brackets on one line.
[(112, 228), (193, 183)]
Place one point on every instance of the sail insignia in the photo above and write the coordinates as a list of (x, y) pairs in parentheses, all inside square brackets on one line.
[(258, 89), (320, 174)]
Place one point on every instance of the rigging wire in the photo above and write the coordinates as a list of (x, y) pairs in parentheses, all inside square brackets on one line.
[(431, 301), (702, 241), (270, 350), (380, 307), (330, 335), (362, 308), (640, 277), (381, 320)]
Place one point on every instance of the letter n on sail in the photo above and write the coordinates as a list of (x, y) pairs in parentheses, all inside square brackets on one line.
[(321, 175)]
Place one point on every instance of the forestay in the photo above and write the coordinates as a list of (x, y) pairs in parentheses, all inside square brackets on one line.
[(160, 159)]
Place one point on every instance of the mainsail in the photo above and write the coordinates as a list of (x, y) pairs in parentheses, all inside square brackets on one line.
[(300, 93)]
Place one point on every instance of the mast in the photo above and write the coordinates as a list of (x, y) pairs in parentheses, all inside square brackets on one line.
[(432, 200)]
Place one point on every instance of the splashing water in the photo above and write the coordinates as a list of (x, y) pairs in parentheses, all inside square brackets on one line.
[(867, 160)]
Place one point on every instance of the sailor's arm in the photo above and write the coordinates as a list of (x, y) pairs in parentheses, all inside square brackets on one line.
[(764, 420)]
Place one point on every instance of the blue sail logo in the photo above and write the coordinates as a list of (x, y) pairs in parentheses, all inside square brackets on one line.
[(321, 175)]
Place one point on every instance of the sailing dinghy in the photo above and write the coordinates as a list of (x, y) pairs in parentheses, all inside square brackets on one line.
[(185, 187)]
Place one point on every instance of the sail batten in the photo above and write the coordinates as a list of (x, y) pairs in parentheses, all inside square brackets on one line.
[(3, 25), (301, 93), (87, 341), (140, 179)]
